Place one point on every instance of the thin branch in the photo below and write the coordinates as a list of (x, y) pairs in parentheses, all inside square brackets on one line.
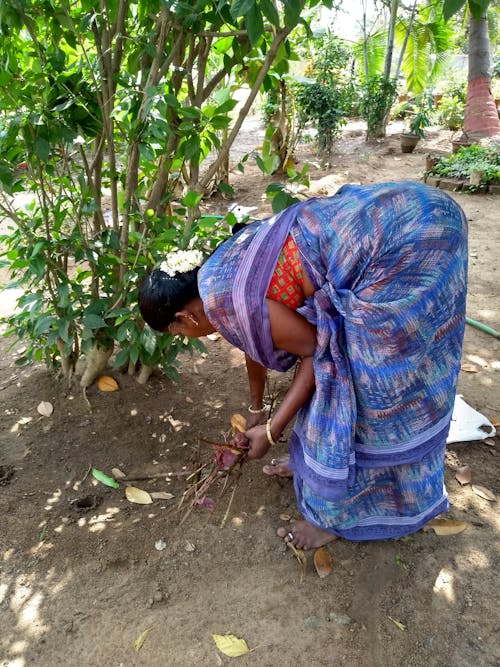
[(224, 152)]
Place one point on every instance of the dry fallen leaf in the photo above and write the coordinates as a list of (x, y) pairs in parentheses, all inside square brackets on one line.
[(469, 368), (489, 441), (135, 495), (463, 475), (45, 408), (161, 495), (483, 492), (322, 562), (231, 645), (445, 526), (398, 624), (301, 557), (107, 383), (117, 473), (239, 423), (137, 643)]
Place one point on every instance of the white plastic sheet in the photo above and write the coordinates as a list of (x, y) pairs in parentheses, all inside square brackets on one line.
[(468, 424)]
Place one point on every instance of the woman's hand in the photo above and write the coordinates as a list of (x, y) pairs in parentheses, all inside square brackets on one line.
[(258, 442), (254, 419)]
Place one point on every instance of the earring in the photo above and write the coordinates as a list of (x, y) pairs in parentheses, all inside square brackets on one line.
[(191, 318)]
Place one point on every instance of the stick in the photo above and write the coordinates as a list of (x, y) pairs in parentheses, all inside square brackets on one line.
[(134, 478), (225, 517)]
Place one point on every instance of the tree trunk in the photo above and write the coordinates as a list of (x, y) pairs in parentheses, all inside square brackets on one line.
[(480, 117)]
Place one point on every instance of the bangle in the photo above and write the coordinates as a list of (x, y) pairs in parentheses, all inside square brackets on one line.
[(255, 411), (268, 433)]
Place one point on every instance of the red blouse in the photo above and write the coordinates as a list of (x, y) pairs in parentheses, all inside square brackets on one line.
[(287, 280)]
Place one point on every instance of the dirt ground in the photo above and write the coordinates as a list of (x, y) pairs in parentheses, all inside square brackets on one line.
[(81, 577)]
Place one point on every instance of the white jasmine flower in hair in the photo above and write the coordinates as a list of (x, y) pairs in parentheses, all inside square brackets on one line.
[(180, 261)]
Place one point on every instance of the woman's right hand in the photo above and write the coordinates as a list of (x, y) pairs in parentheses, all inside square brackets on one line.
[(258, 442)]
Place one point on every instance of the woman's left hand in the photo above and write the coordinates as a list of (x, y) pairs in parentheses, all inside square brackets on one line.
[(258, 442)]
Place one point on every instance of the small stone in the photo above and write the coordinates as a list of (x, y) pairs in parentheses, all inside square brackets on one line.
[(160, 545), (189, 547), (339, 618), (313, 621), (158, 596)]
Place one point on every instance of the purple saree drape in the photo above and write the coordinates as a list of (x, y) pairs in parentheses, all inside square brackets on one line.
[(388, 263)]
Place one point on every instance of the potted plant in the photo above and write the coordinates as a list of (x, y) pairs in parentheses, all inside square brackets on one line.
[(415, 132)]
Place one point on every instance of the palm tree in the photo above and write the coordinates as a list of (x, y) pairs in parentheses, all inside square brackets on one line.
[(481, 117)]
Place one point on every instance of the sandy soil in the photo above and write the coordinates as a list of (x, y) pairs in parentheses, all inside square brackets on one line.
[(81, 578)]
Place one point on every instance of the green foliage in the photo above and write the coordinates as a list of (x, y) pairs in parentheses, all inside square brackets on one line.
[(325, 98), (378, 97), (284, 195), (451, 112), (421, 117), (477, 7), (468, 159), (108, 112)]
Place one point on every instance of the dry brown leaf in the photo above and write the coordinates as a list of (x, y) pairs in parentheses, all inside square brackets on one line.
[(239, 423), (463, 475), (117, 473), (301, 557), (230, 645), (135, 495), (495, 421), (483, 492), (489, 441), (161, 495), (137, 643), (45, 408), (107, 383), (322, 562), (445, 526), (469, 368)]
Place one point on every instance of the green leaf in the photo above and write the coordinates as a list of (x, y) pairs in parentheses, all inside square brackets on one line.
[(121, 359), (269, 11), (104, 479), (225, 188), (41, 148), (92, 321), (281, 201), (451, 7), (191, 199), (43, 324), (478, 8), (292, 12), (254, 24), (241, 7)]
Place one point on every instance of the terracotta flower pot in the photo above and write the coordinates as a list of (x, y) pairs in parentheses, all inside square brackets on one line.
[(408, 142)]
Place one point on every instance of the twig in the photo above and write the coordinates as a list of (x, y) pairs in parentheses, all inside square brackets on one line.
[(134, 478), (225, 517), (86, 474)]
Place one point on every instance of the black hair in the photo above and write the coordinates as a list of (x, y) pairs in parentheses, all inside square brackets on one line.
[(161, 296)]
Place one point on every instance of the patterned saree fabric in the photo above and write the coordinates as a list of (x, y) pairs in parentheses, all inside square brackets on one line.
[(388, 264)]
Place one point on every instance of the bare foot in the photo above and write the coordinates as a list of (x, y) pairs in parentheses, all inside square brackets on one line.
[(278, 467), (304, 535)]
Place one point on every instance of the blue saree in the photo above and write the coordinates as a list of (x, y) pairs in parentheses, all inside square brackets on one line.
[(388, 263)]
